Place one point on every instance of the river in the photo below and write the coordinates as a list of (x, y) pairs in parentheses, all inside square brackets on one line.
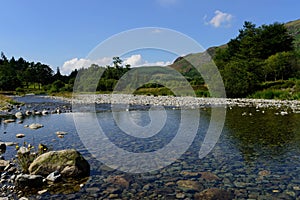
[(255, 157)]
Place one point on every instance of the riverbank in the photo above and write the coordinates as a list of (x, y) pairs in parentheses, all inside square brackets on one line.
[(186, 102)]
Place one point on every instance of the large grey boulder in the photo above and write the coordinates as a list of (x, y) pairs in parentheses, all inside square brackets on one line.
[(69, 163)]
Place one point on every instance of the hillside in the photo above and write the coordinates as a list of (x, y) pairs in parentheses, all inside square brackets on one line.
[(294, 29), (184, 67)]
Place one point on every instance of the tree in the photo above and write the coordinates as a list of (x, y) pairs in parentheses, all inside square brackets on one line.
[(281, 65), (237, 80)]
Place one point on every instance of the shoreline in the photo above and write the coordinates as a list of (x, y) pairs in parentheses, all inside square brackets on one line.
[(186, 102)]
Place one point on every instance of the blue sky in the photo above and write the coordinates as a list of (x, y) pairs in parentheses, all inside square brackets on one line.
[(62, 33)]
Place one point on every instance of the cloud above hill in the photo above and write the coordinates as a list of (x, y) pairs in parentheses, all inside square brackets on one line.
[(220, 19), (133, 60)]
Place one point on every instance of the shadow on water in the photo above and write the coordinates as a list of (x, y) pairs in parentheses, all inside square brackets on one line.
[(262, 135)]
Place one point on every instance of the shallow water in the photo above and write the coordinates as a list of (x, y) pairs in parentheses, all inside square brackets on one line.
[(250, 144)]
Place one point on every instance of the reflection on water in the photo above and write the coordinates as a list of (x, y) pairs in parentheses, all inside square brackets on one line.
[(257, 155)]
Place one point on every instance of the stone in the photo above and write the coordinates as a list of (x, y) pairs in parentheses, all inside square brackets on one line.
[(113, 196), (189, 186), (45, 112), (264, 173), (209, 176), (3, 164), (118, 180), (9, 121), (213, 194), (20, 135), (189, 174), (10, 143), (180, 195), (61, 133), (2, 148), (42, 191), (19, 115), (27, 180), (37, 112), (23, 150), (28, 112), (54, 177), (69, 163), (35, 126)]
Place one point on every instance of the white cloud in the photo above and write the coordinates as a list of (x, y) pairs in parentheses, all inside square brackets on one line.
[(138, 61), (76, 63), (134, 61), (220, 18)]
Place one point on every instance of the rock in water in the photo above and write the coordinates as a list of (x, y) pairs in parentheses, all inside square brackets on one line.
[(189, 186), (31, 181), (45, 112), (9, 121), (20, 135), (19, 115), (3, 164), (69, 163), (35, 126), (214, 194), (2, 148)]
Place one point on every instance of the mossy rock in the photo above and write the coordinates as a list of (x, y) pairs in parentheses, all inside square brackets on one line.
[(69, 162)]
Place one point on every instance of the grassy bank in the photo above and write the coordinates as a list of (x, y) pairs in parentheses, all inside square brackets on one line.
[(5, 101)]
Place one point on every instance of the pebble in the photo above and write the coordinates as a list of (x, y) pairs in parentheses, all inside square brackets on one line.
[(20, 135)]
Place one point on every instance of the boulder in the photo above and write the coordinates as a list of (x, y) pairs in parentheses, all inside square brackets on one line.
[(27, 180), (69, 163), (214, 194)]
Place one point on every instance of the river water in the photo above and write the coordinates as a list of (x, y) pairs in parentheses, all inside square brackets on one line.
[(256, 157)]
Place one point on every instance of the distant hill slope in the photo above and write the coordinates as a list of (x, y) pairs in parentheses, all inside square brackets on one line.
[(184, 67), (294, 29)]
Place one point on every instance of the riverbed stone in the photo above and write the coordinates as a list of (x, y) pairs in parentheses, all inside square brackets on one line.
[(213, 194), (69, 163), (189, 174), (27, 180), (118, 180), (189, 186), (209, 176)]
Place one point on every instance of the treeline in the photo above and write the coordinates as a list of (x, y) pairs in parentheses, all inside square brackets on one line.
[(21, 75), (257, 55)]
